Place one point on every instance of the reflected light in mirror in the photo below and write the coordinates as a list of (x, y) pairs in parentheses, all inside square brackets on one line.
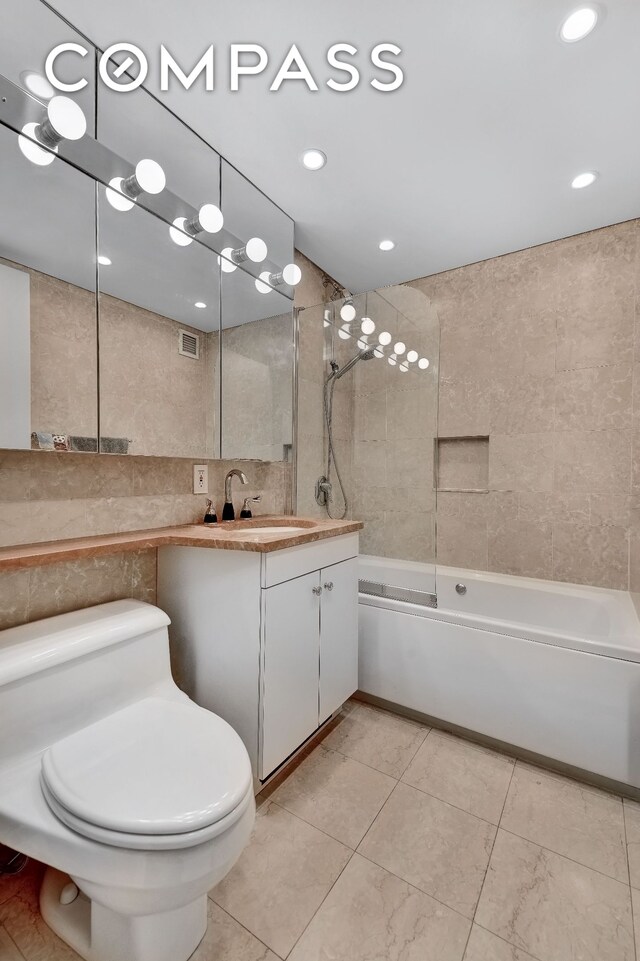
[(367, 326), (262, 285), (31, 150), (344, 332), (348, 311), (38, 85), (225, 262), (177, 233)]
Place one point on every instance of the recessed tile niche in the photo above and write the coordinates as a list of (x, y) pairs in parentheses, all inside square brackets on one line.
[(462, 463)]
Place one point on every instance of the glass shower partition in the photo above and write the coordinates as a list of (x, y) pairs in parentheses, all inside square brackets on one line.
[(367, 418)]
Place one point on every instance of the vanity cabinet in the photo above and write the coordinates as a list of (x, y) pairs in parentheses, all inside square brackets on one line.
[(310, 663), (268, 641)]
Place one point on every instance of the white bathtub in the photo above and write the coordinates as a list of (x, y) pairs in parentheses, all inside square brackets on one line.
[(549, 668)]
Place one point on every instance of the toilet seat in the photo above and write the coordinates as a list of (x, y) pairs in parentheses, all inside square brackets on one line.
[(155, 775)]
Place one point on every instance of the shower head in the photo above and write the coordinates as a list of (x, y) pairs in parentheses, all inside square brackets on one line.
[(367, 354)]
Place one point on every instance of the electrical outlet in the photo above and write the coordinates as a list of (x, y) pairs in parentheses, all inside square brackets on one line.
[(200, 479)]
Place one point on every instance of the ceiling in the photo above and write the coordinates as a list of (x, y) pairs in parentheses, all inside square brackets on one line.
[(472, 157)]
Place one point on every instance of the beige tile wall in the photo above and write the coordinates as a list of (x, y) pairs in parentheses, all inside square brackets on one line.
[(540, 351), (48, 495)]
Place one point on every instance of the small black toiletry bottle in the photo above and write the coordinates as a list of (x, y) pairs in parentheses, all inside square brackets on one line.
[(210, 516)]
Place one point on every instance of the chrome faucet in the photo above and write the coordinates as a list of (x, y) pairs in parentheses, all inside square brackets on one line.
[(228, 513)]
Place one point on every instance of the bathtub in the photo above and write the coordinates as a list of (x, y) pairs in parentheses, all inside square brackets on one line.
[(552, 669)]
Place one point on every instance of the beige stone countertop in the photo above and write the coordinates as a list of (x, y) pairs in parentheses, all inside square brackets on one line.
[(227, 536)]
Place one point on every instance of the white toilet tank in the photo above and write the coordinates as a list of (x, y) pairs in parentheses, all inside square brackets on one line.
[(62, 673)]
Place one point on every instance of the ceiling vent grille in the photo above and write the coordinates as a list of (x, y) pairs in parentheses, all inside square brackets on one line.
[(189, 345)]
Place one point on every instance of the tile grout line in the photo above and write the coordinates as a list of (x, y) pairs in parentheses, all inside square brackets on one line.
[(626, 846), (244, 927), (484, 879)]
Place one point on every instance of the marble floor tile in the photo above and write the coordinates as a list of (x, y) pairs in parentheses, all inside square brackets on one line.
[(632, 825), (21, 918), (377, 738), (8, 950), (432, 845), (281, 878), (635, 904), (226, 940), (370, 914), (467, 776), (336, 794), (580, 822), (552, 907), (484, 946)]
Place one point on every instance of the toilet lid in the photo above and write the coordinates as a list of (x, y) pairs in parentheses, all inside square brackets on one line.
[(157, 767)]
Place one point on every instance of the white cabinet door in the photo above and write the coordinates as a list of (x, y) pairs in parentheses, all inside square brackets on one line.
[(291, 624), (338, 635)]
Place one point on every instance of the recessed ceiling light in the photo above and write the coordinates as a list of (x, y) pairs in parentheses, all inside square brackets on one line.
[(38, 85), (314, 159), (579, 24), (386, 245), (199, 305), (104, 261), (584, 180)]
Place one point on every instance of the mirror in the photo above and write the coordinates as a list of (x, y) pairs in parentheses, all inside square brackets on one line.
[(257, 355), (159, 338), (257, 360), (82, 279), (48, 359)]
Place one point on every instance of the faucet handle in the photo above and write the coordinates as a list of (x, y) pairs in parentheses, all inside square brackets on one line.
[(246, 509)]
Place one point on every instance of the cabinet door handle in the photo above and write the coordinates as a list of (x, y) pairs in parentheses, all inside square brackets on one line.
[(317, 591), (328, 586)]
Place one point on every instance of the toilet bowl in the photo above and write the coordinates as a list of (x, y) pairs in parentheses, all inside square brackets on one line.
[(139, 800)]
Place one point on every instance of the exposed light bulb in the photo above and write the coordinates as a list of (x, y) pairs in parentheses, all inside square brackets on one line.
[(412, 356), (348, 311), (579, 24), (209, 219), (367, 326), (423, 363), (292, 274), (150, 177), (254, 250), (64, 120), (225, 262), (399, 348), (385, 338)]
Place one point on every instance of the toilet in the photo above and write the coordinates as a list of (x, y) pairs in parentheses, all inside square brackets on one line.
[(139, 800)]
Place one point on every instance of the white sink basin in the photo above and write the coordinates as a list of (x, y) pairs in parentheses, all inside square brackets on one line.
[(267, 530)]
